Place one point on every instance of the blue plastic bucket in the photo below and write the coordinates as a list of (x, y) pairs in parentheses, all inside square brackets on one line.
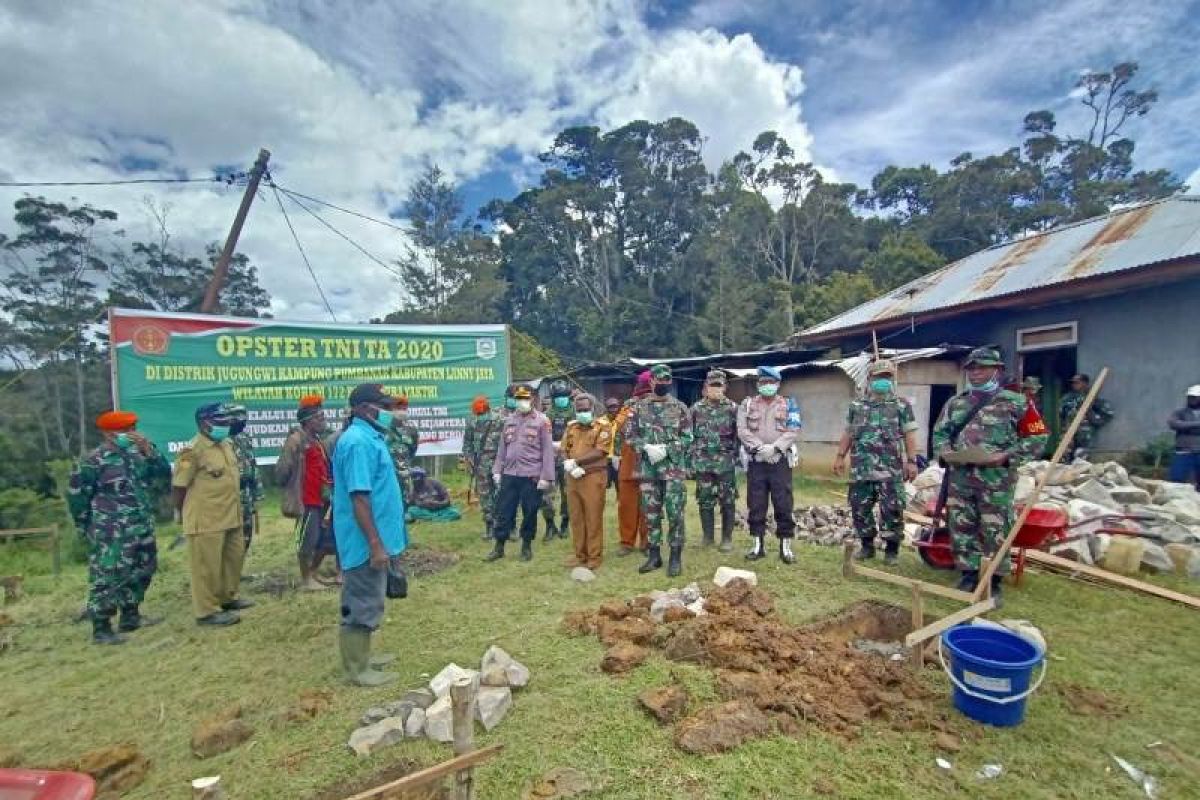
[(991, 670)]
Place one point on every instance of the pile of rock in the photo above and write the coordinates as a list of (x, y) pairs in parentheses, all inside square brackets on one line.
[(824, 525), (1163, 517), (688, 598), (428, 711)]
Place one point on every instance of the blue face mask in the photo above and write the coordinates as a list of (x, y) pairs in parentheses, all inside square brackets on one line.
[(123, 441), (562, 402), (385, 418), (881, 385), (990, 385), (510, 402), (218, 433), (583, 417)]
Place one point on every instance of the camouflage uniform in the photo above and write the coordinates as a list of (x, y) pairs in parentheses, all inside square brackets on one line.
[(556, 496), (877, 425), (979, 500), (250, 486), (662, 421), (714, 453), (480, 445), (112, 496), (402, 440), (1099, 415)]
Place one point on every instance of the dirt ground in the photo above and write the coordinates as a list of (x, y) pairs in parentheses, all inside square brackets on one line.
[(777, 678)]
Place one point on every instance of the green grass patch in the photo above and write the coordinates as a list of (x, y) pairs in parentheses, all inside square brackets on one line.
[(63, 696)]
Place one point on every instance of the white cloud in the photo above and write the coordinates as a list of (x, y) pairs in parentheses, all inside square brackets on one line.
[(727, 86), (1193, 182)]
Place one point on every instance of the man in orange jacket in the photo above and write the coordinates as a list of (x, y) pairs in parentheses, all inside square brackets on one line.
[(634, 532)]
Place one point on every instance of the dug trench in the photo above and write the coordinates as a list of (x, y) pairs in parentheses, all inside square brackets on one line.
[(773, 678)]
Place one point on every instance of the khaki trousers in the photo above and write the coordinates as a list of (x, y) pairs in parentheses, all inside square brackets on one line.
[(585, 504), (216, 562), (631, 522)]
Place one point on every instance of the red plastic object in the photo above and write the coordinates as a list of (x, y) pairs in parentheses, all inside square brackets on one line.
[(1041, 524), (934, 549), (38, 784)]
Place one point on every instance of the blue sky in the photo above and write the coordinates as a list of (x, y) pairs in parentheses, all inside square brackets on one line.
[(354, 99)]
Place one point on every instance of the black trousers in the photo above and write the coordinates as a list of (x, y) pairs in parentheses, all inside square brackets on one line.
[(772, 481), (514, 492)]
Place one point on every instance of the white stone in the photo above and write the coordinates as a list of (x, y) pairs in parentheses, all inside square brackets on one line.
[(420, 698), (582, 575), (659, 609), (1115, 474), (495, 657), (370, 738), (491, 705), (439, 720), (1156, 559), (1185, 510), (450, 674), (1025, 487), (414, 726), (724, 575), (1078, 551), (697, 608), (690, 593), (375, 714), (518, 674), (1166, 491), (493, 676), (1128, 495), (1094, 492), (1080, 510)]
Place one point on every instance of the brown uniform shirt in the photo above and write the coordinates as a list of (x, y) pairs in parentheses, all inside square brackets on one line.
[(209, 471), (588, 445)]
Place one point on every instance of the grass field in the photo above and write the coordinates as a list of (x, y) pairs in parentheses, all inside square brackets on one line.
[(61, 696)]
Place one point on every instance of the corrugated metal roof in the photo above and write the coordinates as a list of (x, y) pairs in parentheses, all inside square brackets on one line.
[(856, 366), (1134, 237)]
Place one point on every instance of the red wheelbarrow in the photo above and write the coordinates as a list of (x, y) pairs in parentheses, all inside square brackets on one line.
[(1043, 526), (38, 784)]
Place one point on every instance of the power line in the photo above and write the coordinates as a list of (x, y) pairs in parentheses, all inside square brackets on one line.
[(294, 194), (304, 256), (352, 243), (213, 179)]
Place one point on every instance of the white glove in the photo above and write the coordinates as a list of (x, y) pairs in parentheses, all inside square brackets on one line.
[(616, 462), (543, 485), (578, 472), (569, 465), (655, 452), (557, 446), (496, 478)]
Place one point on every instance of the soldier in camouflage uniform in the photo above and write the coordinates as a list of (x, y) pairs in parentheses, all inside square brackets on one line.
[(559, 412), (1099, 415), (402, 441), (480, 444), (981, 438), (881, 438), (714, 452), (112, 496), (250, 486), (660, 430)]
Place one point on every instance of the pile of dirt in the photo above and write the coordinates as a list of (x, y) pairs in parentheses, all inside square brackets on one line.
[(117, 769), (342, 790), (220, 733), (309, 705), (776, 677), (420, 561), (1090, 702)]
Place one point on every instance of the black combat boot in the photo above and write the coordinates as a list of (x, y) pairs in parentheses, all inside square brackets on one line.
[(675, 561), (551, 532), (758, 551), (527, 550), (727, 520), (785, 551), (867, 551), (969, 580), (132, 619), (564, 527), (997, 587), (891, 552), (497, 551), (653, 560), (102, 632), (707, 525)]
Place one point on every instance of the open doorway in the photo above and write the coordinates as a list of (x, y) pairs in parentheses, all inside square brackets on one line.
[(939, 395), (1054, 369)]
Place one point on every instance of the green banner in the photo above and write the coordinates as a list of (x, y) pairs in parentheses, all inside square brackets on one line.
[(166, 365)]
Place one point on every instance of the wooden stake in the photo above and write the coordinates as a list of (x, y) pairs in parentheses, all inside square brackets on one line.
[(985, 575), (429, 775), (947, 622), (848, 560), (462, 696), (917, 656), (875, 343)]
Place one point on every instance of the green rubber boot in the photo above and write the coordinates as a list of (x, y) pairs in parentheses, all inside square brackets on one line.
[(355, 645)]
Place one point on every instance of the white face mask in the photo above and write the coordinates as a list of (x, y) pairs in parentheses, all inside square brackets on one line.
[(524, 406)]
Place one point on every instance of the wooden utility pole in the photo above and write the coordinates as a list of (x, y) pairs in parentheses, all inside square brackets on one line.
[(221, 269)]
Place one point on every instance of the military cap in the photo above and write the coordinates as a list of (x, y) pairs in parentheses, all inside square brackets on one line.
[(771, 373), (234, 410), (660, 372), (417, 473), (523, 393), (370, 393), (212, 412), (560, 389), (116, 420), (715, 377), (883, 366), (985, 357), (1032, 384)]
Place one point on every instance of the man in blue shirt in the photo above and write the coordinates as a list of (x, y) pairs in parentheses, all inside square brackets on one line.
[(368, 523)]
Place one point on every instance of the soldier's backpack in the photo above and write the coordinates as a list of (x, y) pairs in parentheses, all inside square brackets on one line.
[(289, 474)]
